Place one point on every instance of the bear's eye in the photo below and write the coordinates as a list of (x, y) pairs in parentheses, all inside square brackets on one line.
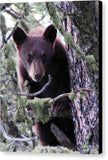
[(43, 57), (29, 58)]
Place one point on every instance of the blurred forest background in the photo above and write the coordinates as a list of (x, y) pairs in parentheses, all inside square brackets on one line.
[(78, 26)]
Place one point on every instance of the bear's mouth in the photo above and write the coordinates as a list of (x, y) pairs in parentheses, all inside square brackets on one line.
[(35, 80), (37, 77)]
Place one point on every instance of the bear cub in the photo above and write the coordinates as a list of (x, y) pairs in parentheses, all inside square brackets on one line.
[(39, 54)]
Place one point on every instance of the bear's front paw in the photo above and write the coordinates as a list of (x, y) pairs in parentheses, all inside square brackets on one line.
[(61, 105)]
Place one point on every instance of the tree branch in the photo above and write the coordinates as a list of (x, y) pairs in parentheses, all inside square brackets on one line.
[(15, 139), (42, 108), (5, 41), (3, 80), (61, 137), (67, 94), (36, 93), (20, 17), (13, 14)]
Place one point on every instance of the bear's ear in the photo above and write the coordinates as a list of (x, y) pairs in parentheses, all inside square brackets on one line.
[(19, 36), (50, 33)]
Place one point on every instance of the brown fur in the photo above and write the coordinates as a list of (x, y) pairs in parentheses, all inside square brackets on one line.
[(38, 54), (36, 32)]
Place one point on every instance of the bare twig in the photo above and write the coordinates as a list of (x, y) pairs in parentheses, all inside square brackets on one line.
[(19, 7), (3, 80), (13, 14), (15, 139), (19, 18), (19, 14), (36, 93), (67, 94), (59, 97), (9, 35), (24, 25), (11, 32)]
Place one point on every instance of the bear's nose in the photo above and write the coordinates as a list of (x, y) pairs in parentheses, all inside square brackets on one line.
[(38, 77)]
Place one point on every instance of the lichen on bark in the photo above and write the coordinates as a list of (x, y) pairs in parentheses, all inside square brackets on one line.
[(40, 109)]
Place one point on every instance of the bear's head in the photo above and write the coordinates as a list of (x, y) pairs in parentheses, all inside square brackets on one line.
[(35, 52)]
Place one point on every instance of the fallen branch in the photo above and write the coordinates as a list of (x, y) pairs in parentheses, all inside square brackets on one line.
[(61, 137), (15, 139)]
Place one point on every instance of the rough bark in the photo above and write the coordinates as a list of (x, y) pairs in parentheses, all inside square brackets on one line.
[(87, 23), (80, 21)]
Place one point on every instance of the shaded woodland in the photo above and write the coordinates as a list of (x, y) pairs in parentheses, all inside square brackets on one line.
[(77, 23)]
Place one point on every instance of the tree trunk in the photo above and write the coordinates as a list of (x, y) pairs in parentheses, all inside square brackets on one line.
[(80, 19)]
